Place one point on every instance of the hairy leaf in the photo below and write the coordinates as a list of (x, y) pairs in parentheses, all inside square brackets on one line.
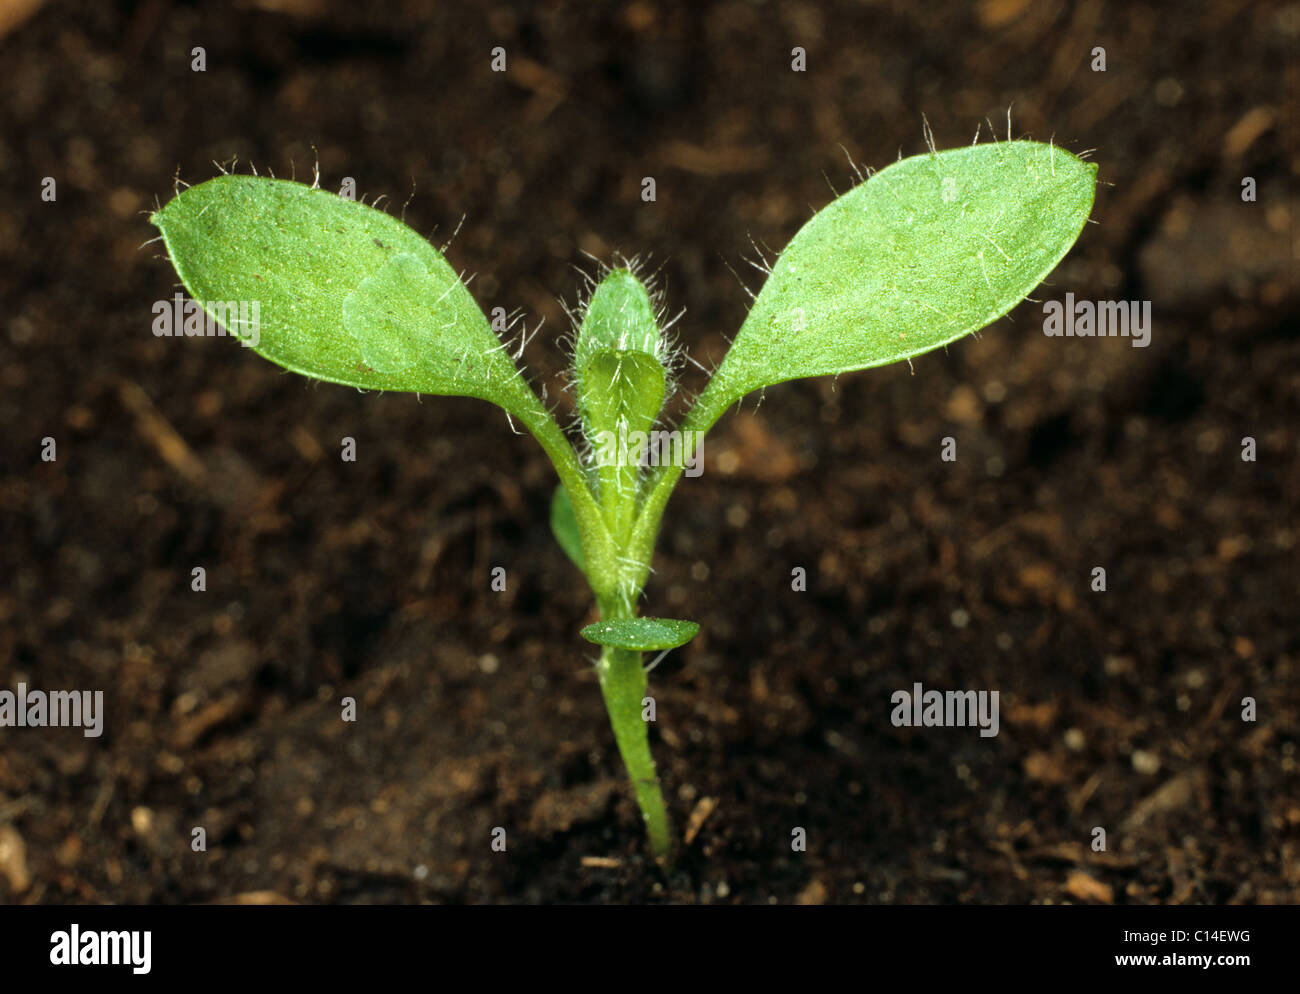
[(620, 315), (345, 293), (623, 389), (621, 383), (925, 251), (620, 378)]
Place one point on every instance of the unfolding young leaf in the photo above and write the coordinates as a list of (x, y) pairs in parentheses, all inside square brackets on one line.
[(617, 366)]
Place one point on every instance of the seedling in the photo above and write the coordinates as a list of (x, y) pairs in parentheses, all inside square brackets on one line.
[(931, 248)]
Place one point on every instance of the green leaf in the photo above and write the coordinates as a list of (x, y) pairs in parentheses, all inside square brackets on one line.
[(620, 315), (621, 382), (564, 526), (925, 251), (622, 389), (345, 293), (617, 366), (641, 634)]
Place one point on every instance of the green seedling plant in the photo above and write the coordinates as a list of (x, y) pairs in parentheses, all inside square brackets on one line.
[(917, 255)]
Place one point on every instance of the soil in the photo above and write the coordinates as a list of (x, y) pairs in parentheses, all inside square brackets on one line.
[(326, 579)]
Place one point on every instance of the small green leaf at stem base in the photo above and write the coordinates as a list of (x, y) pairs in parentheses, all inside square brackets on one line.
[(641, 634)]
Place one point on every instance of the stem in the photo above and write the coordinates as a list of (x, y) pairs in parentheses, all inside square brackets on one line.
[(718, 395), (622, 679), (543, 427), (623, 684)]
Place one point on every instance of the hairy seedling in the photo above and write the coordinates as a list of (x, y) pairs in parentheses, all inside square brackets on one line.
[(921, 253)]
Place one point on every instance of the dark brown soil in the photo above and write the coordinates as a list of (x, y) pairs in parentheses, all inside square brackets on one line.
[(328, 579)]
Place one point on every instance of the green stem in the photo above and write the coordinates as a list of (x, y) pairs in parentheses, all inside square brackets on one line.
[(616, 580), (712, 403), (623, 683), (622, 679)]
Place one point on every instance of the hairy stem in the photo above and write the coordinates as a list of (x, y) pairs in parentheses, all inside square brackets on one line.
[(712, 403), (622, 680)]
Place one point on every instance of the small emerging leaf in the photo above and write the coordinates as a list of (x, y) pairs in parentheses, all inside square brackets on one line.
[(622, 388), (564, 526), (621, 316), (925, 251), (641, 634), (619, 375), (621, 383)]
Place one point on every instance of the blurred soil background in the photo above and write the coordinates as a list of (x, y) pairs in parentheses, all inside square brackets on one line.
[(328, 579)]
